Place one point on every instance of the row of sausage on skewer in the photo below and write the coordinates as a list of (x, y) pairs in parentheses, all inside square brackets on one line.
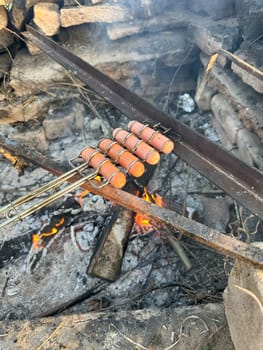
[(130, 149)]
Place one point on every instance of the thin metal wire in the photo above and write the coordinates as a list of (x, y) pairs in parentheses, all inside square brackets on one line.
[(50, 199), (50, 185)]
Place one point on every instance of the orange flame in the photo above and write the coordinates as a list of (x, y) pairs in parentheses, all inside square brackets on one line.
[(143, 220), (37, 238)]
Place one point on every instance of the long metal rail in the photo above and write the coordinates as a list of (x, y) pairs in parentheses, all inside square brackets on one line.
[(241, 182)]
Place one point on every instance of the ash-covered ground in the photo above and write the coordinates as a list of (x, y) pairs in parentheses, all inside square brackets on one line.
[(53, 278)]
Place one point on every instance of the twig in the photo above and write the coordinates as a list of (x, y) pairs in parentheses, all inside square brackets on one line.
[(173, 78), (186, 190), (51, 335), (251, 294), (22, 330), (128, 338), (181, 333), (179, 250)]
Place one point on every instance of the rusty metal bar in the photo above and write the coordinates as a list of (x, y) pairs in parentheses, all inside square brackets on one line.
[(198, 232), (240, 181)]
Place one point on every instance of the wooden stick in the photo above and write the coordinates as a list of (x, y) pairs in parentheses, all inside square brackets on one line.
[(243, 64)]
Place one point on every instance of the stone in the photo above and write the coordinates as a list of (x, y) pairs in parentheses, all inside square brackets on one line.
[(251, 52), (214, 9), (247, 103), (35, 138), (250, 148), (211, 36), (90, 14), (226, 117), (243, 300), (3, 17), (67, 120), (46, 17)]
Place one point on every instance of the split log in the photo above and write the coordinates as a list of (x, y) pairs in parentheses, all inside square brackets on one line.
[(3, 17), (226, 117), (167, 20), (90, 14), (249, 146), (46, 17), (252, 53), (243, 299), (247, 102), (107, 258), (18, 14)]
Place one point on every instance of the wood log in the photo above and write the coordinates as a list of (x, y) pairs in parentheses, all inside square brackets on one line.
[(46, 17), (6, 39), (251, 53), (205, 34), (3, 17), (243, 99), (90, 14), (167, 20), (155, 328)]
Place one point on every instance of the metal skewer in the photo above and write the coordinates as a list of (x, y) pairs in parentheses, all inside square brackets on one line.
[(53, 197), (50, 185)]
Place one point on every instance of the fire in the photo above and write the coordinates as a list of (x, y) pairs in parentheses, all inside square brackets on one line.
[(143, 220), (37, 238)]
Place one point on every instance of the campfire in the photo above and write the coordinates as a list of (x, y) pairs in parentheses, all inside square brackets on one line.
[(132, 129)]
